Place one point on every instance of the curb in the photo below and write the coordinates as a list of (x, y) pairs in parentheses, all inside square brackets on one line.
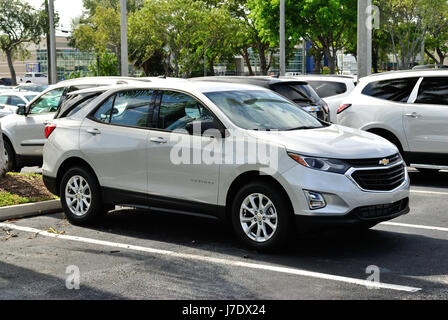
[(30, 209)]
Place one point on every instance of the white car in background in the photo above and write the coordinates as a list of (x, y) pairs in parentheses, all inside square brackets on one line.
[(408, 108), (35, 77), (333, 89), (9, 101), (23, 132)]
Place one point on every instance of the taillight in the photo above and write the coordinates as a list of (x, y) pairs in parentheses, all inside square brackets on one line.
[(343, 107), (49, 129)]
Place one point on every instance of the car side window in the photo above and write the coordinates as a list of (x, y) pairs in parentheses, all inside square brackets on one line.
[(397, 90), (48, 102), (130, 108), (328, 88), (3, 99), (15, 101), (178, 109), (433, 90), (104, 111)]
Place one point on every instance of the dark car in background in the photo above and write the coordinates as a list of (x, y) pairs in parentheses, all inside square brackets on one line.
[(300, 92)]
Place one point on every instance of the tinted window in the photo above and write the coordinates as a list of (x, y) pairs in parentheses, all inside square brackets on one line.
[(433, 91), (297, 92), (74, 103), (49, 102), (30, 97), (397, 90), (3, 99), (328, 88), (132, 108), (14, 101), (103, 112), (262, 109), (178, 109)]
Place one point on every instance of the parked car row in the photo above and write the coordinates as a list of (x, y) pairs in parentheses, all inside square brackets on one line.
[(109, 141)]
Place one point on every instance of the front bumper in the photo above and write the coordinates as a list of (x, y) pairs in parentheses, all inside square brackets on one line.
[(366, 215), (342, 195)]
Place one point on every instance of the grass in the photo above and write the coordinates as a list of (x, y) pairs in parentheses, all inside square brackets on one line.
[(9, 199), (21, 188)]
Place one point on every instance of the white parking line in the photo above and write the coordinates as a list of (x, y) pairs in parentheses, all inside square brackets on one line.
[(292, 271), (429, 192), (416, 226)]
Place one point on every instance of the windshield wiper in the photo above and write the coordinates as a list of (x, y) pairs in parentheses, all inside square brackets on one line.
[(303, 128)]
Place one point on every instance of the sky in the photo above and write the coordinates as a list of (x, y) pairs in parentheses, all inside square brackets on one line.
[(67, 9)]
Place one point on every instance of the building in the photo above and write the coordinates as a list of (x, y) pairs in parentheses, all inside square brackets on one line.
[(68, 59)]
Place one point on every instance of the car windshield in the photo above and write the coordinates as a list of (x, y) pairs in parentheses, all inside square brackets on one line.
[(262, 110)]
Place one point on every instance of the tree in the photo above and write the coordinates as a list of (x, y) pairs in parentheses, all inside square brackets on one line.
[(19, 23), (179, 33), (408, 22), (100, 34), (325, 24), (436, 40)]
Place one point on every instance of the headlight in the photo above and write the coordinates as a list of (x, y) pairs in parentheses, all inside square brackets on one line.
[(322, 164)]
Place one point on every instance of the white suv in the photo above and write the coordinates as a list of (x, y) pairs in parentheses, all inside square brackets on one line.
[(233, 152), (408, 108)]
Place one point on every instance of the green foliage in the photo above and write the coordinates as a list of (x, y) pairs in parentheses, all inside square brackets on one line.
[(19, 23), (108, 64)]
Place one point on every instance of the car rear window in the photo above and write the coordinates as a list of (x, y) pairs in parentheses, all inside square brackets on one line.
[(297, 92), (328, 88), (397, 90), (433, 90)]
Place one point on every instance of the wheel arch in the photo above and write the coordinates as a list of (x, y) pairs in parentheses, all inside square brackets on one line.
[(70, 163), (388, 135), (247, 177)]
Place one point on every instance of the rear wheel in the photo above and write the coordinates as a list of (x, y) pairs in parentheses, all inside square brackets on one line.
[(10, 155), (81, 196), (261, 217)]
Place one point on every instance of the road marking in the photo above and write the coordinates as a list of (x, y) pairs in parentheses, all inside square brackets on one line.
[(430, 192), (416, 226), (293, 271)]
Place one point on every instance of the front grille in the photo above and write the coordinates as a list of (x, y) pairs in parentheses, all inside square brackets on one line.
[(386, 179), (373, 162), (382, 210)]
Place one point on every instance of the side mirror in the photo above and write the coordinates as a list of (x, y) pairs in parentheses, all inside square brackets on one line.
[(206, 128), (21, 109)]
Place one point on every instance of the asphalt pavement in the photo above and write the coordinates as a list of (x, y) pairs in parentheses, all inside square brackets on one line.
[(136, 254)]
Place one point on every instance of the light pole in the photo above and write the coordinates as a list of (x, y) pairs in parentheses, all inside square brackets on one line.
[(282, 38), (124, 39), (52, 58), (364, 50)]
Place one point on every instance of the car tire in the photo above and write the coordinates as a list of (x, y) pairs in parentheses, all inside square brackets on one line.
[(11, 154), (81, 196), (256, 226)]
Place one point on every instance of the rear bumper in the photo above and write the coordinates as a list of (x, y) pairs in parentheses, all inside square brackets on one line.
[(51, 184), (359, 216)]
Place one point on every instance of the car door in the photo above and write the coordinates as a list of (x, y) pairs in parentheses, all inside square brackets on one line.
[(178, 174), (425, 118), (29, 129), (114, 140)]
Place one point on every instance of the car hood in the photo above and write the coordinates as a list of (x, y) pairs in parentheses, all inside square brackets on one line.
[(332, 142)]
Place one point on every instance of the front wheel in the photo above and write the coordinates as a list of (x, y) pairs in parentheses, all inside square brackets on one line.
[(10, 155), (80, 196), (261, 217)]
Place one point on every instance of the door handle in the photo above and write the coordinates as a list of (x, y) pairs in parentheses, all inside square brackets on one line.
[(93, 131), (414, 115), (159, 140)]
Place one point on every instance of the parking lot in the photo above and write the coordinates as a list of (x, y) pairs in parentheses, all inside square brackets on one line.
[(136, 254)]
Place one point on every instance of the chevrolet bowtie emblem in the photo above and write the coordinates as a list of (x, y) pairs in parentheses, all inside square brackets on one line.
[(384, 162)]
